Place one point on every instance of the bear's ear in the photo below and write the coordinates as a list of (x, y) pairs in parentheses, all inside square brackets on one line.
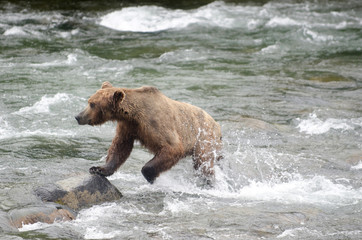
[(106, 85), (118, 97)]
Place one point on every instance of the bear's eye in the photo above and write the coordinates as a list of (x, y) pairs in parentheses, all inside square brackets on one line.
[(92, 105)]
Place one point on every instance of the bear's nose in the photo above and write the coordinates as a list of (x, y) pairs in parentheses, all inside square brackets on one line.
[(77, 118)]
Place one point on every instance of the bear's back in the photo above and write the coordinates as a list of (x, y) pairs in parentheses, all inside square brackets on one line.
[(162, 118)]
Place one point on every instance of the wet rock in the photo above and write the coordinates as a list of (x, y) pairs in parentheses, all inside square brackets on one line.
[(62, 199), (49, 213), (80, 191)]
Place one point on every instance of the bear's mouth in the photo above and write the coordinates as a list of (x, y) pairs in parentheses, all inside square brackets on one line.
[(94, 123)]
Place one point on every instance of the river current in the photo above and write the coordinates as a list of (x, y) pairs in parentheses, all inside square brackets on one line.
[(282, 78)]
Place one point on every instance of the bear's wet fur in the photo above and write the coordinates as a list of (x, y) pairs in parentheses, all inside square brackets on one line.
[(169, 129)]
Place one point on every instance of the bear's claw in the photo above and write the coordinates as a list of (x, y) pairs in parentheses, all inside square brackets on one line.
[(99, 171)]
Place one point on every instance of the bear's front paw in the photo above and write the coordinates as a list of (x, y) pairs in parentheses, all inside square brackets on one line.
[(99, 171)]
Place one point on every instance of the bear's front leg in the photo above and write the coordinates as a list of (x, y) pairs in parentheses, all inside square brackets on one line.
[(117, 155)]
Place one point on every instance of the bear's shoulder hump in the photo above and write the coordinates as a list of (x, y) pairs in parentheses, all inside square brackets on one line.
[(148, 89)]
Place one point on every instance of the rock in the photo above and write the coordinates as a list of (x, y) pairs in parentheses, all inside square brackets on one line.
[(62, 199), (49, 213), (80, 191)]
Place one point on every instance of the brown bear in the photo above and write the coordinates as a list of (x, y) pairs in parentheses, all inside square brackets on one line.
[(169, 129)]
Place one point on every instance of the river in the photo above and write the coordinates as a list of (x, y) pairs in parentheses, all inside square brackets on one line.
[(283, 79)]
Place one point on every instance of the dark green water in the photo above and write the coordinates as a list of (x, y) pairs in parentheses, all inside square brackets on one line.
[(282, 78)]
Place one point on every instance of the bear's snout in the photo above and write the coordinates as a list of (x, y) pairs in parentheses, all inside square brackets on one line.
[(77, 118), (80, 119)]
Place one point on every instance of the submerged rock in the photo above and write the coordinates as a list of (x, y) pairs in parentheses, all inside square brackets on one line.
[(49, 213), (80, 191), (261, 125)]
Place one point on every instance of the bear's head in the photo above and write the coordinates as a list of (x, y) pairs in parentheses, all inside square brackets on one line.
[(102, 106)]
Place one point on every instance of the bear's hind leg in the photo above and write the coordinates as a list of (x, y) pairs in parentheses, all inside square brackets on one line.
[(205, 154)]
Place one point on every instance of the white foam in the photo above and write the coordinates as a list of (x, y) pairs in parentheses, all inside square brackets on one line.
[(342, 25), (68, 35), (314, 125), (11, 132), (270, 49), (282, 21), (95, 221), (34, 226), (22, 31), (96, 233), (146, 19), (153, 18), (71, 60), (175, 206), (317, 190), (182, 55), (253, 24), (295, 232), (317, 37), (357, 167), (15, 31), (299, 232), (43, 105), (4, 126)]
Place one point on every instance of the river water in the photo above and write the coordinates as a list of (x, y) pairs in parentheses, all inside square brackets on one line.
[(283, 79)]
